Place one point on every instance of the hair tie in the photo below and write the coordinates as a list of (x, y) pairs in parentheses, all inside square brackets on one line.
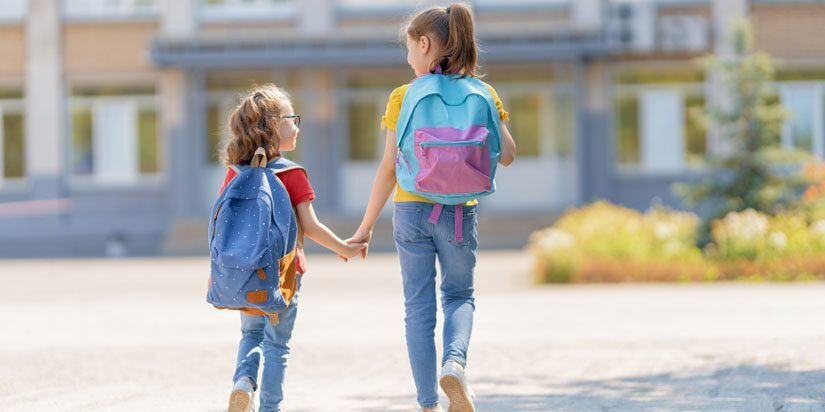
[(448, 9)]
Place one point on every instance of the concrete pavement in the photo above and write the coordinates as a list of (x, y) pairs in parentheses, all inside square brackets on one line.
[(136, 335)]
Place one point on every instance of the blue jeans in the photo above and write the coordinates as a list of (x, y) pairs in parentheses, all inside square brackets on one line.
[(260, 337), (419, 242)]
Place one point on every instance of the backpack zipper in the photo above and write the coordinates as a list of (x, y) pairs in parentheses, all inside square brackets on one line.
[(470, 143)]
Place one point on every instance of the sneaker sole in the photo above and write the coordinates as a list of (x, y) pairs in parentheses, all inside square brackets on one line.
[(239, 401), (459, 398)]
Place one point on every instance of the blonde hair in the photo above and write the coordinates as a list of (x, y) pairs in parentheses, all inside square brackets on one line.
[(254, 124), (452, 28)]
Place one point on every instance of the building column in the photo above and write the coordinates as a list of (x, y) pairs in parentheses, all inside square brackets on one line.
[(179, 92), (45, 112), (318, 145), (183, 125), (594, 146)]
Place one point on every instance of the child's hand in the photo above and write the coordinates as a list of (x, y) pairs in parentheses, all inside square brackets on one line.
[(352, 249), (362, 236)]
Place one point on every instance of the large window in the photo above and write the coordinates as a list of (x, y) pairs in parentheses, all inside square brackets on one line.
[(109, 8), (114, 135), (364, 110), (526, 112), (364, 101), (12, 137), (656, 124), (541, 118)]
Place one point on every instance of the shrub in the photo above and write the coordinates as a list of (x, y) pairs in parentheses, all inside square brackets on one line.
[(607, 243)]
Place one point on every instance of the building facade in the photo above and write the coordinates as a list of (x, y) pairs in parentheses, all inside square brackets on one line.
[(113, 111)]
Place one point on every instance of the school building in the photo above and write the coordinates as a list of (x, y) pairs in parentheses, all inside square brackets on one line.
[(112, 111)]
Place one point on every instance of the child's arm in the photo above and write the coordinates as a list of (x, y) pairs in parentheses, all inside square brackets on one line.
[(508, 146), (382, 187), (321, 234)]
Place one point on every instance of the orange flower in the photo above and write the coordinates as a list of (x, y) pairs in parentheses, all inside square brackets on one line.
[(811, 194)]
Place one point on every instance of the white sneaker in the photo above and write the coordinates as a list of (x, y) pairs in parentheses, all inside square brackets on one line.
[(454, 384), (435, 408), (242, 397)]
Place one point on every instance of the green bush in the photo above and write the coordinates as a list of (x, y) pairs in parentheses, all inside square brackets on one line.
[(755, 236), (604, 242)]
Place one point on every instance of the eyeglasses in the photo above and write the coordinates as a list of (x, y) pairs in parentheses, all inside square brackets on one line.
[(296, 118)]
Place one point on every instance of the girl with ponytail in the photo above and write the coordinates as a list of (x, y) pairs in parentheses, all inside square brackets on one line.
[(439, 41)]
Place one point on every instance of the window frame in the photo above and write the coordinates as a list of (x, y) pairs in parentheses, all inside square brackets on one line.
[(141, 101), (635, 90)]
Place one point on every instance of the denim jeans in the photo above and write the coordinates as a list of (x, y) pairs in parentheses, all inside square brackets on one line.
[(260, 337), (419, 242)]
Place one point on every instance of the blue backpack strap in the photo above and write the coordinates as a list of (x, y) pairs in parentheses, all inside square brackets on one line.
[(282, 164)]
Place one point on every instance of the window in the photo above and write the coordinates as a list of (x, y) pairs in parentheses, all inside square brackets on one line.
[(564, 130), (627, 130), (535, 118), (246, 9), (696, 142), (803, 129), (525, 122), (12, 141), (656, 127), (216, 129), (114, 135), (109, 8), (12, 10), (363, 124), (12, 136), (662, 141)]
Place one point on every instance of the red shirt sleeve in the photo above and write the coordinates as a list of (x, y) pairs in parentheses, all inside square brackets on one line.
[(297, 185), (230, 174)]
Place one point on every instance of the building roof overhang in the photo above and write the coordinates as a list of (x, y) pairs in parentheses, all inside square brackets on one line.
[(228, 52)]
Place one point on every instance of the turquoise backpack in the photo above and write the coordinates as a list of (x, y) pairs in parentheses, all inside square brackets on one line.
[(448, 138), (449, 142)]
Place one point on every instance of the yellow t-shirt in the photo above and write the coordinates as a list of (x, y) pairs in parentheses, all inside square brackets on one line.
[(390, 121)]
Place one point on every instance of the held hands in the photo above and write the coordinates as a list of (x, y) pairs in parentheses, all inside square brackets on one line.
[(361, 237), (351, 249)]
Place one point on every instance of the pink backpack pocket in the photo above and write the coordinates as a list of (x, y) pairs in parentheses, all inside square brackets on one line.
[(452, 160)]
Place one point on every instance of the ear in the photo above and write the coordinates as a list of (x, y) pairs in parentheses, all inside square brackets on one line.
[(424, 44)]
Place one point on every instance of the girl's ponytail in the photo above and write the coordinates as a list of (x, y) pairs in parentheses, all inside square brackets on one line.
[(460, 51), (452, 28)]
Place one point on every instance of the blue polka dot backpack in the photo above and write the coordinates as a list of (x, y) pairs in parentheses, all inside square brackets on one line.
[(253, 234)]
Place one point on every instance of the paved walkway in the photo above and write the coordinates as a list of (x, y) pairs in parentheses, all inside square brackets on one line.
[(136, 335)]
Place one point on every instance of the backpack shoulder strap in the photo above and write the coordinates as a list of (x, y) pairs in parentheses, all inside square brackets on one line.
[(282, 164)]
